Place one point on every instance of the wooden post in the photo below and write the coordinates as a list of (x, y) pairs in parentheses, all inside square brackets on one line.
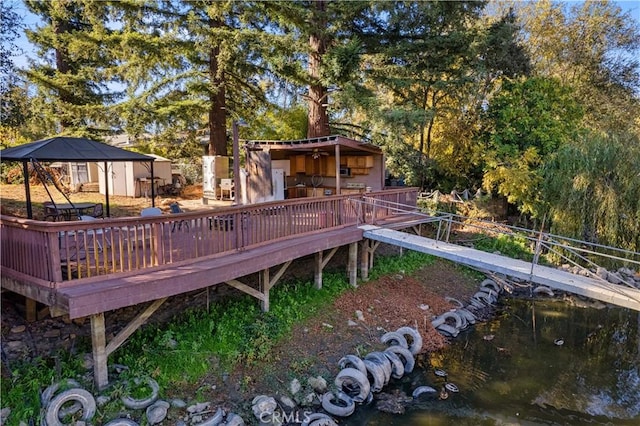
[(265, 286), (353, 264), (30, 309), (317, 269), (98, 339), (364, 260)]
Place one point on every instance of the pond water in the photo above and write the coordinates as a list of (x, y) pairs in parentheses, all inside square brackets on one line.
[(536, 363)]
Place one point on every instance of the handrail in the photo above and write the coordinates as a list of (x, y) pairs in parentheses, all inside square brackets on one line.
[(66, 251), (542, 240)]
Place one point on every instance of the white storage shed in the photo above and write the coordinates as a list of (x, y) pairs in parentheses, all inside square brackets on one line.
[(133, 179)]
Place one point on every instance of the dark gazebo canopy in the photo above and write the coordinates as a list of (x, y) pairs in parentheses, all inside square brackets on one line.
[(70, 149)]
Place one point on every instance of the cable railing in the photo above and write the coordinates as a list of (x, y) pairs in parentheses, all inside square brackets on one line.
[(581, 254)]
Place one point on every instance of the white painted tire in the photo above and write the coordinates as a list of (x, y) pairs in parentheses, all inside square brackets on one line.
[(215, 420), (234, 419), (423, 389), (416, 339), (345, 409), (139, 404), (355, 377), (377, 375), (453, 316), (122, 422), (405, 355), (86, 400), (352, 361), (394, 338), (454, 301), (483, 298), (380, 359), (310, 419), (467, 314), (541, 289), (491, 284), (397, 367), (447, 330)]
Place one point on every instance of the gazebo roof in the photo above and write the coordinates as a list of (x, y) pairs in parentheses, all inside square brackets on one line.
[(62, 148)]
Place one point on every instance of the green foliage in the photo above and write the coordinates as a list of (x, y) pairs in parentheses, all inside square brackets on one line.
[(525, 123), (28, 379), (592, 190), (515, 246)]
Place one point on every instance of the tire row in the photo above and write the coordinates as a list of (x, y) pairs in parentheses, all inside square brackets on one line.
[(450, 323), (359, 378)]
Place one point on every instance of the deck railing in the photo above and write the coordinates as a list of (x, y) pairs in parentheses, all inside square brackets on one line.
[(60, 252)]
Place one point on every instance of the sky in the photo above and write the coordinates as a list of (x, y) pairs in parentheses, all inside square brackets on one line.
[(31, 21)]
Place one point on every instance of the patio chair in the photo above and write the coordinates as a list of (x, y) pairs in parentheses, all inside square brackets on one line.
[(150, 211), (94, 232), (175, 209), (97, 211)]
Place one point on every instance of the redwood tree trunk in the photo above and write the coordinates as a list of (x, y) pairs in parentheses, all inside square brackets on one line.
[(62, 66), (318, 120), (217, 108)]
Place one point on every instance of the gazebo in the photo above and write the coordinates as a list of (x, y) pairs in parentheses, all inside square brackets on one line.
[(63, 148)]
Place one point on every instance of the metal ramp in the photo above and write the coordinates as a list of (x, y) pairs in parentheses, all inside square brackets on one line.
[(590, 287)]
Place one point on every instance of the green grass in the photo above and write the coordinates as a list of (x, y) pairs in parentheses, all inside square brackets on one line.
[(515, 246), (197, 342)]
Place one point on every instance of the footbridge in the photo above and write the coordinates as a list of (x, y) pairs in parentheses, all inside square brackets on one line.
[(590, 281)]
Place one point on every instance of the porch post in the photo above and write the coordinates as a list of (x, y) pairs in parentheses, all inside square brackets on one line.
[(353, 264), (264, 289), (317, 275), (98, 344)]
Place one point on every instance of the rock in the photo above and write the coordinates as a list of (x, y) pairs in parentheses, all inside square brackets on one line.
[(352, 323), (4, 415), (602, 272), (102, 400), (19, 329), (360, 316), (324, 324), (318, 384), (392, 402), (424, 307), (178, 403), (287, 403), (52, 333), (198, 408), (14, 344), (310, 399), (294, 386), (614, 278), (157, 412)]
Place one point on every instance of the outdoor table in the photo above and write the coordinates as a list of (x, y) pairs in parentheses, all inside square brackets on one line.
[(67, 210)]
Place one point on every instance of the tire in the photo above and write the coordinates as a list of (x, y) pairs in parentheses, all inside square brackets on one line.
[(121, 422), (455, 317), (405, 355), (424, 389), (384, 363), (343, 410), (376, 373), (541, 289), (215, 420), (454, 301), (491, 284), (397, 367), (87, 401), (482, 297), (234, 420), (416, 339), (465, 313), (395, 338), (354, 377), (354, 361), (310, 419), (447, 330), (139, 404), (49, 392)]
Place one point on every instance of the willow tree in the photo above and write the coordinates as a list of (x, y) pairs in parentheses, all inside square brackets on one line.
[(591, 189), (74, 71)]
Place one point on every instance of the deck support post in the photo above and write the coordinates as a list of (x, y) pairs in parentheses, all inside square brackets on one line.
[(317, 270), (30, 309), (364, 260), (353, 264), (98, 343), (265, 286)]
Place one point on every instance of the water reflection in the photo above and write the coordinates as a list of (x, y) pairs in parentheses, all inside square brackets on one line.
[(536, 363)]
